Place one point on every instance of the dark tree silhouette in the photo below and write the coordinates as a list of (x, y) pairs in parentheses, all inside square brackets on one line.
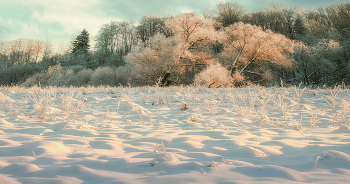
[(81, 43)]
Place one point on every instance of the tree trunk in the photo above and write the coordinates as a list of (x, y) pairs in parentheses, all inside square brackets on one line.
[(306, 77), (165, 81), (245, 67), (234, 68)]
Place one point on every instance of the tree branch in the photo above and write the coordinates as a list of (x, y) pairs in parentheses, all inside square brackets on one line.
[(253, 72), (314, 71), (234, 62), (253, 59)]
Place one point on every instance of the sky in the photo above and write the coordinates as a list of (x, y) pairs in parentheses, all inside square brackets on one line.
[(59, 20)]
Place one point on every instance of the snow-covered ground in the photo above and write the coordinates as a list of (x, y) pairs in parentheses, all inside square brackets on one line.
[(174, 135)]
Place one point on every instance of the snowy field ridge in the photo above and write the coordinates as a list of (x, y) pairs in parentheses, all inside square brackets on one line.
[(174, 135)]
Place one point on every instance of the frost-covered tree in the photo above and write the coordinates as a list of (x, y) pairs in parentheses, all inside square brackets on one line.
[(168, 58), (316, 64), (196, 34), (303, 57), (329, 67), (153, 62), (250, 47)]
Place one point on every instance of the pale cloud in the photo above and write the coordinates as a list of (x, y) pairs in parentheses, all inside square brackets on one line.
[(185, 10), (22, 29), (214, 2), (73, 15), (30, 29), (59, 20)]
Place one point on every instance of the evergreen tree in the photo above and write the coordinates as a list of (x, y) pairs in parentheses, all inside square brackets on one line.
[(81, 44), (299, 26)]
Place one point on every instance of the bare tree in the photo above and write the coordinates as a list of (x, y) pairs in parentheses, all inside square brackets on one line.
[(115, 36), (258, 18), (47, 48), (38, 48), (207, 13), (278, 18), (151, 25), (4, 47), (21, 50), (318, 21), (228, 13)]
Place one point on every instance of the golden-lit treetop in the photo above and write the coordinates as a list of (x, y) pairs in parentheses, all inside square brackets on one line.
[(249, 43), (192, 29)]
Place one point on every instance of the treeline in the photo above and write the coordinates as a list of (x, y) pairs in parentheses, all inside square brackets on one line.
[(218, 47)]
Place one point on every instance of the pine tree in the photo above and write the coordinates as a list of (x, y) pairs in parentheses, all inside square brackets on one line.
[(299, 26), (81, 44)]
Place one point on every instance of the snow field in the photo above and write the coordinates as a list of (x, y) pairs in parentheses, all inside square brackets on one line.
[(174, 135)]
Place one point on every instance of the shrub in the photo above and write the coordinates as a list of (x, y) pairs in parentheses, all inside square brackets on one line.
[(217, 76), (33, 80), (82, 78), (103, 76), (62, 78), (43, 77), (16, 74), (57, 76), (124, 75)]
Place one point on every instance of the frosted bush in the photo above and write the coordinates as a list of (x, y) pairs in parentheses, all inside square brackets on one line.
[(124, 75), (17, 74), (79, 79), (43, 78), (62, 78), (82, 77), (33, 80), (56, 76), (76, 68), (217, 76), (103, 76)]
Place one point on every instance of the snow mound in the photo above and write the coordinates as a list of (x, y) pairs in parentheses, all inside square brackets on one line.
[(4, 98), (59, 126), (54, 147), (165, 158), (8, 180), (19, 168), (342, 129), (4, 122)]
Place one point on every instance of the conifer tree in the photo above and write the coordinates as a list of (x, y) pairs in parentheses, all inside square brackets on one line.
[(299, 26), (81, 43)]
